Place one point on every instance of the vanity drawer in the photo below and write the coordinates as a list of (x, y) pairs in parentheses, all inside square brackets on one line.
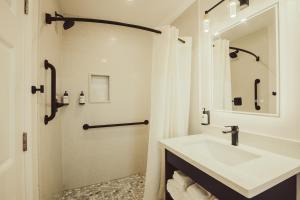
[(285, 190)]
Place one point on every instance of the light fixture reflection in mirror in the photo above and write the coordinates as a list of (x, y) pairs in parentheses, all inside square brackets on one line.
[(233, 8), (244, 20)]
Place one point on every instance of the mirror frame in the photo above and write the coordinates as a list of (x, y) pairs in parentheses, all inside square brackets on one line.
[(234, 24)]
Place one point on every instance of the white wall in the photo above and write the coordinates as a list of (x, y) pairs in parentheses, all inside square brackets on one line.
[(285, 126), (188, 25), (103, 154), (50, 160)]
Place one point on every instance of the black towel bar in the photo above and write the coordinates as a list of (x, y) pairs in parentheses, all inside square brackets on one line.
[(87, 127)]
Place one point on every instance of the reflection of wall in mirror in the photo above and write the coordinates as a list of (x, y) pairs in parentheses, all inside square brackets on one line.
[(245, 69)]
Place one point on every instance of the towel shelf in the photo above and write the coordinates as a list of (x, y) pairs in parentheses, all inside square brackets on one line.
[(87, 127), (286, 190)]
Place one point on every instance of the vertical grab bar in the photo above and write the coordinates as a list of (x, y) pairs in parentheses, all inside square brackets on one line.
[(54, 104), (53, 92), (257, 81)]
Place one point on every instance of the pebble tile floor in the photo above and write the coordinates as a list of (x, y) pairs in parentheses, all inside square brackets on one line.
[(129, 188)]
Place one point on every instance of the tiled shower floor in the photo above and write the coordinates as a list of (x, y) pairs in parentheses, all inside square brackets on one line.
[(129, 188)]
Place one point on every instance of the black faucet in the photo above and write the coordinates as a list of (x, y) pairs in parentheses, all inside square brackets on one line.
[(234, 134)]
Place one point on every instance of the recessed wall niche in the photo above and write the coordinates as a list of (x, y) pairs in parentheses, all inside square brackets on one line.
[(99, 88)]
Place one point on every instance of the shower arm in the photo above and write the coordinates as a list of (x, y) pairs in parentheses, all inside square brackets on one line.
[(58, 17), (246, 51)]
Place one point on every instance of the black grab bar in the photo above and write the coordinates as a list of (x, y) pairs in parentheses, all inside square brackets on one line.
[(54, 103), (257, 81), (87, 127)]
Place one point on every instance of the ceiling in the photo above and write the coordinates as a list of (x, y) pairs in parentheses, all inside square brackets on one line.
[(150, 13)]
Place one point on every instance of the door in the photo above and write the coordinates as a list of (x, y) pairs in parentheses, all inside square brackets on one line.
[(12, 182)]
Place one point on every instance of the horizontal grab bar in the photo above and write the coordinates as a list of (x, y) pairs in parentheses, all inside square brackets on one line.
[(87, 127)]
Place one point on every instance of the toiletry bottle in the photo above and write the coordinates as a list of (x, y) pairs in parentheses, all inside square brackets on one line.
[(205, 117), (81, 98), (65, 99)]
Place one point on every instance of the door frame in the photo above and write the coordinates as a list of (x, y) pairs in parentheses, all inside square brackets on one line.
[(30, 36)]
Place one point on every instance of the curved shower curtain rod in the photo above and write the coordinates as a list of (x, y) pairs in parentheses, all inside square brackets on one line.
[(70, 21), (246, 51)]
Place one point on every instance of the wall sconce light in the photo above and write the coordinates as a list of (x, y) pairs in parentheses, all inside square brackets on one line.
[(206, 23)]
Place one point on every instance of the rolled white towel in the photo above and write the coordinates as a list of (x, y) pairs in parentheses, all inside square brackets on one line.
[(175, 193), (183, 181), (196, 192)]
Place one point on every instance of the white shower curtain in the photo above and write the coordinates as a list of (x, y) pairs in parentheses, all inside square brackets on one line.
[(170, 99), (222, 75)]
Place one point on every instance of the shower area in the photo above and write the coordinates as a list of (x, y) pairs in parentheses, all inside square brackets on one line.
[(95, 112)]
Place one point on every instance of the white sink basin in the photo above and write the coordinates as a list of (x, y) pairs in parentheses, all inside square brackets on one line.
[(222, 153), (245, 169)]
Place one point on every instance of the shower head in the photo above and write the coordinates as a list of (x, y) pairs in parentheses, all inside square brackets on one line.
[(234, 54), (68, 24)]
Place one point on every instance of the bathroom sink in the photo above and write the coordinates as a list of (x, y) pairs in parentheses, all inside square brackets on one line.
[(245, 169), (226, 154)]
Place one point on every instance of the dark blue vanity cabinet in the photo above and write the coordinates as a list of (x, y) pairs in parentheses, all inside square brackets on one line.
[(285, 190)]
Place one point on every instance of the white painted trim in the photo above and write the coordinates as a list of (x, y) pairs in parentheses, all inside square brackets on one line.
[(30, 62)]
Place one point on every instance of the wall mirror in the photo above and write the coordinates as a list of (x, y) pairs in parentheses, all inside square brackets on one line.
[(246, 67)]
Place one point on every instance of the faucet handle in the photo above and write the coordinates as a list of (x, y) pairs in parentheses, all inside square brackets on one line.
[(234, 134), (233, 128)]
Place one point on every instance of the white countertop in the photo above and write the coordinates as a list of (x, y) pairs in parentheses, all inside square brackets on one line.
[(250, 177)]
